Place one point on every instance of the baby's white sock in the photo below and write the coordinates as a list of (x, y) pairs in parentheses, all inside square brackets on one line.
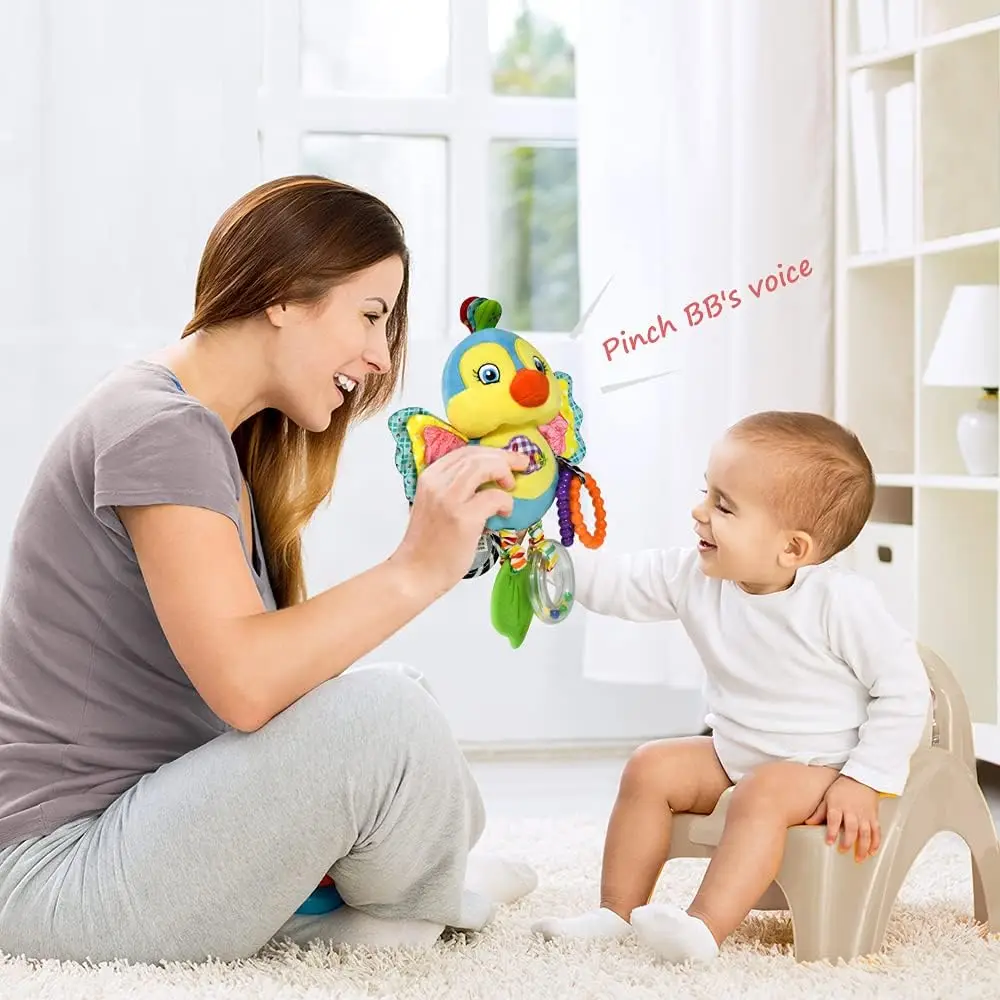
[(673, 934), (591, 926), (498, 879)]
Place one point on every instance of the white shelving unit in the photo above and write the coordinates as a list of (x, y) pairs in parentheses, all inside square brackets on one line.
[(932, 541)]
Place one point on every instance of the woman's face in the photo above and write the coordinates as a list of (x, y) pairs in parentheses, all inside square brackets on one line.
[(323, 353)]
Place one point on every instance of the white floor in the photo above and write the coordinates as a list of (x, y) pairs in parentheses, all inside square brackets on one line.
[(536, 789)]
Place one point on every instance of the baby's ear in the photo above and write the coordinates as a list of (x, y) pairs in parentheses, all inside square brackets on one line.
[(799, 548)]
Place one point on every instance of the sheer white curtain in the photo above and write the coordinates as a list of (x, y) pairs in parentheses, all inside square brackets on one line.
[(149, 129), (125, 130), (706, 146)]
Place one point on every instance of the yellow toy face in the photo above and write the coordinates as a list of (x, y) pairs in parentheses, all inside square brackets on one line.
[(501, 389)]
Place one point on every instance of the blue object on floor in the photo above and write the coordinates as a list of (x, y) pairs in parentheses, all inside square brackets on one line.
[(325, 899)]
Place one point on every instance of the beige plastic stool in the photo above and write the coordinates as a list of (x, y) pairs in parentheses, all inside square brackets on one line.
[(840, 908)]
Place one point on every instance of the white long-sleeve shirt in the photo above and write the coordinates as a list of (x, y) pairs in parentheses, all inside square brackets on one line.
[(821, 667)]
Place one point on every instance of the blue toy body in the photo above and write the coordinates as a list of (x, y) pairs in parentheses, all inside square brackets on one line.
[(525, 512)]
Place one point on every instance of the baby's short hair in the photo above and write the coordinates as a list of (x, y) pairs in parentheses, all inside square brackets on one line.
[(825, 485)]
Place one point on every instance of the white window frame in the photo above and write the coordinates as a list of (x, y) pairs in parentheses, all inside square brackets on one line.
[(469, 116)]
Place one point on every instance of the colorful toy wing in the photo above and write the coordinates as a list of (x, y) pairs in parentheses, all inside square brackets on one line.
[(563, 431), (421, 438)]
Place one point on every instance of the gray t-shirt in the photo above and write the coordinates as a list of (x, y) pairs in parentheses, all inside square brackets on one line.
[(91, 696)]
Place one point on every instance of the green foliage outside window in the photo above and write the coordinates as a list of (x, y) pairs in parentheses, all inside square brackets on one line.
[(535, 266)]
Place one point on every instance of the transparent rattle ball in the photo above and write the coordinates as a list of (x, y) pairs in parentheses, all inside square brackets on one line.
[(551, 591)]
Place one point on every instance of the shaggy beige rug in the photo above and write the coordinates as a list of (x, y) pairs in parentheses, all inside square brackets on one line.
[(933, 949)]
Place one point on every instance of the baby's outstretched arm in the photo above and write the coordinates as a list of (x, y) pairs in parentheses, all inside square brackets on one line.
[(644, 586)]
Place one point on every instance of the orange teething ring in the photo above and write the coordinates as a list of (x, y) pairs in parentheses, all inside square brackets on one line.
[(587, 540)]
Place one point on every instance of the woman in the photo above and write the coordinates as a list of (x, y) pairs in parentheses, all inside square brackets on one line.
[(181, 761)]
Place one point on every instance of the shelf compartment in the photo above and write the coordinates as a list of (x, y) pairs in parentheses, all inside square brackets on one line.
[(885, 553), (946, 15), (879, 401), (881, 103), (957, 589), (940, 407), (960, 136), (878, 29)]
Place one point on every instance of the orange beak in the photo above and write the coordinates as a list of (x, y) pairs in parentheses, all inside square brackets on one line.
[(529, 387)]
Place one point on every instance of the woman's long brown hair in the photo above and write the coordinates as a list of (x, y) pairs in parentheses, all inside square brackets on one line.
[(289, 241)]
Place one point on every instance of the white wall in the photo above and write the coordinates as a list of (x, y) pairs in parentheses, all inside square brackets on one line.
[(20, 241), (114, 163), (125, 129)]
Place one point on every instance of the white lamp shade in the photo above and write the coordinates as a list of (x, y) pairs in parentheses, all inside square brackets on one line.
[(966, 351)]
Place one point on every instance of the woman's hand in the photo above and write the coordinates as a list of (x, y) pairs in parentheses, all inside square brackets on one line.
[(455, 497)]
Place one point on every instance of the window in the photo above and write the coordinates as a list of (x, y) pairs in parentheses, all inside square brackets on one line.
[(462, 116)]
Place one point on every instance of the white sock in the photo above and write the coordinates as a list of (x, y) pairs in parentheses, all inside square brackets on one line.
[(477, 911), (498, 879), (347, 926), (601, 924), (673, 934)]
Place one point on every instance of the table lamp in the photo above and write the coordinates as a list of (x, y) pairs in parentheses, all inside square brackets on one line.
[(966, 354)]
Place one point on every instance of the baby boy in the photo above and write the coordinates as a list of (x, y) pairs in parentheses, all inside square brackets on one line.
[(816, 697)]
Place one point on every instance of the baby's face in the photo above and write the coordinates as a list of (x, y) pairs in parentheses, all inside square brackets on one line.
[(740, 536)]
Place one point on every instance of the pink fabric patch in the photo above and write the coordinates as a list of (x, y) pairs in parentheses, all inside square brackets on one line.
[(555, 433), (438, 442)]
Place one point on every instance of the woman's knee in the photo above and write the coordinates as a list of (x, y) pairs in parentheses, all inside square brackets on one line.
[(387, 723), (393, 666), (378, 701), (391, 727)]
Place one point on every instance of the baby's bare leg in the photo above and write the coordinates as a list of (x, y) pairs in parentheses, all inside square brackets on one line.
[(765, 804), (660, 778), (768, 802)]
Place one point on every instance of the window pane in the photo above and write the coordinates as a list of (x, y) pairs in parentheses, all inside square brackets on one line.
[(410, 175), (534, 263), (533, 45), (377, 47)]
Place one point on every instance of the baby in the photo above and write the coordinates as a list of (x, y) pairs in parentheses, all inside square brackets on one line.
[(816, 697)]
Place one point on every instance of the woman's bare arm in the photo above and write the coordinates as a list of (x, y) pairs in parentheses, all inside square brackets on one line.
[(249, 664)]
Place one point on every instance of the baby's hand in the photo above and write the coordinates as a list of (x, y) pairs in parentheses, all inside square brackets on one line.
[(853, 806)]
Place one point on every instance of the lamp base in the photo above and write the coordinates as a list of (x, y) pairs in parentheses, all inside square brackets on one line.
[(978, 437)]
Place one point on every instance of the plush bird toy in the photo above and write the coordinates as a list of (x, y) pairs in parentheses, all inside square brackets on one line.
[(500, 392)]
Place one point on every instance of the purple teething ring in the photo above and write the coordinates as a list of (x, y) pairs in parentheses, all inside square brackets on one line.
[(566, 532)]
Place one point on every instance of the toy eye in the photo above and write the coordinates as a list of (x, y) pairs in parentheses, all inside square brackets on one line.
[(488, 374), (539, 364)]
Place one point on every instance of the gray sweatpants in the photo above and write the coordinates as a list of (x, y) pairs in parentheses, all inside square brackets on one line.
[(210, 855)]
